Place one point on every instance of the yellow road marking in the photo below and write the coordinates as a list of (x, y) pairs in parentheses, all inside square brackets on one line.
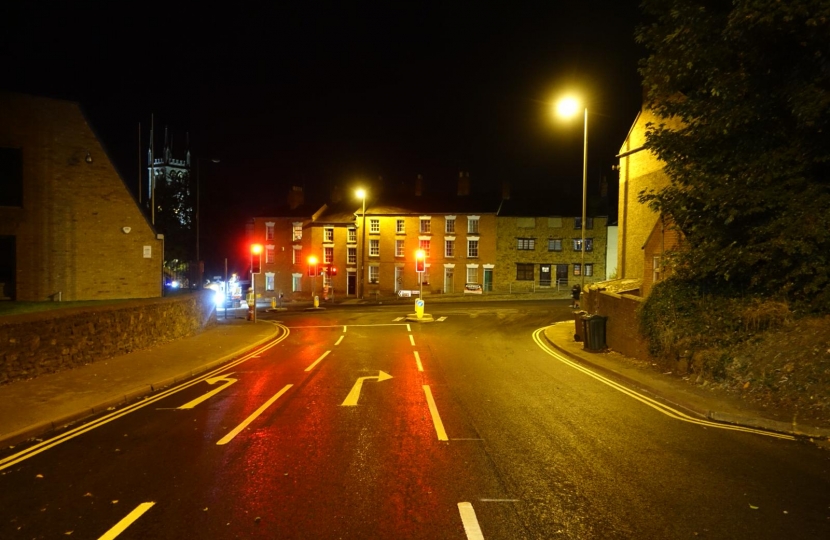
[(309, 368), (339, 340), (418, 361), (654, 404), (80, 430), (354, 393), (436, 418), (214, 380), (229, 437), (127, 521)]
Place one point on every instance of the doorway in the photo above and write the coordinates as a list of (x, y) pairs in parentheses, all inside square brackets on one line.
[(398, 278), (544, 275), (561, 274), (449, 280), (488, 280), (351, 284)]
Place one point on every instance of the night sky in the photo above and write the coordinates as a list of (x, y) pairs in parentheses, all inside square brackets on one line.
[(324, 95)]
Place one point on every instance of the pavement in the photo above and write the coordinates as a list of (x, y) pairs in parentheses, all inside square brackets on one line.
[(35, 407)]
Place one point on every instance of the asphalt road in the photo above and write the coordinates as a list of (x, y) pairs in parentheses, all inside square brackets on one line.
[(479, 428)]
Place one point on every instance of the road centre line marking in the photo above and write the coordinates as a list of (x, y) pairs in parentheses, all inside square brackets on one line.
[(229, 437), (411, 340), (127, 520), (418, 361), (436, 418), (80, 430), (654, 404), (339, 340), (343, 326), (408, 328), (468, 518), (309, 368)]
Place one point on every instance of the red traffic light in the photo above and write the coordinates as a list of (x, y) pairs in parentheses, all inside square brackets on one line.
[(420, 261), (256, 258), (333, 270)]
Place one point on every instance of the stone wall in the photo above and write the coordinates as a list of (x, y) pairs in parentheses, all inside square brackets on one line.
[(38, 343)]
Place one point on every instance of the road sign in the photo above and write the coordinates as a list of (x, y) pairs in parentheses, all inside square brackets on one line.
[(404, 294)]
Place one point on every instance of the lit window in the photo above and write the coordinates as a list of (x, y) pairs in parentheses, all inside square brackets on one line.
[(352, 235), (352, 255), (450, 226), (589, 269), (472, 224), (472, 275), (374, 226), (399, 248), (269, 231), (555, 244), (426, 226), (374, 274), (298, 230), (449, 248), (296, 255), (328, 235), (424, 246), (400, 227), (589, 244), (374, 248), (296, 282), (472, 249), (525, 244), (269, 281), (269, 254), (577, 269), (328, 255)]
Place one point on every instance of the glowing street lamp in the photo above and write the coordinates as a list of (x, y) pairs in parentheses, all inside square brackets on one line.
[(256, 268), (568, 107), (361, 194)]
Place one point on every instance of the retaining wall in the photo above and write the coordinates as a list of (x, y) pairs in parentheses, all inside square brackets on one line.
[(622, 329), (37, 343)]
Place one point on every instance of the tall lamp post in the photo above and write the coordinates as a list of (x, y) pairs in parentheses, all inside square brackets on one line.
[(568, 107), (361, 193), (198, 186)]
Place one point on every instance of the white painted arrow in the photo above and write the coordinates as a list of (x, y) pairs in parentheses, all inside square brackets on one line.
[(354, 394), (214, 380)]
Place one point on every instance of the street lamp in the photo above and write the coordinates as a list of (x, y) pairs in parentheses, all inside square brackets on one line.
[(198, 184), (566, 108), (361, 194)]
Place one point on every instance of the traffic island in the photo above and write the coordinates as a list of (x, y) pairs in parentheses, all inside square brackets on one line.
[(426, 317)]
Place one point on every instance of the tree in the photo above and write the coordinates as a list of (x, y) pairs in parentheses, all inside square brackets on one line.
[(749, 167)]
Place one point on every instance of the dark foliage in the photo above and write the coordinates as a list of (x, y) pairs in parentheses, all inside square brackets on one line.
[(750, 163)]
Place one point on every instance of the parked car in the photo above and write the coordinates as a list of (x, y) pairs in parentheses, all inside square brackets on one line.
[(472, 288)]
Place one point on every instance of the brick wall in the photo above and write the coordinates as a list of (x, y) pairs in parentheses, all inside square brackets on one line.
[(69, 233), (508, 255), (638, 171), (622, 329), (38, 343)]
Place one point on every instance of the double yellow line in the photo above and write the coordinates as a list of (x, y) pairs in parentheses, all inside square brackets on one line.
[(654, 404), (80, 430)]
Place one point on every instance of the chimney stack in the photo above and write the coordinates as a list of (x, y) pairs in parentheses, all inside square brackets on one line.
[(295, 197), (463, 183)]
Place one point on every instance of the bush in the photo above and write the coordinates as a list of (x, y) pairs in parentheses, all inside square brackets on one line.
[(683, 316)]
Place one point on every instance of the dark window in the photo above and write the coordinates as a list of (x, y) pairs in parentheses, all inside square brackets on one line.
[(555, 244), (526, 244), (11, 177), (589, 223), (524, 271)]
